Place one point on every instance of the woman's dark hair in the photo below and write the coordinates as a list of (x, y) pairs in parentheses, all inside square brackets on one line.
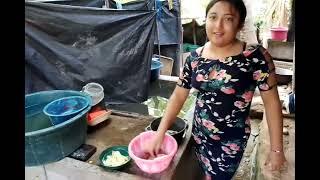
[(237, 4)]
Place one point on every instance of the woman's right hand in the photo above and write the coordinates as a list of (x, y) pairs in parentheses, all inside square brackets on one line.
[(153, 147)]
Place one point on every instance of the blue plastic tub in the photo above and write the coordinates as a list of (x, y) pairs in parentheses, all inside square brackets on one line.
[(65, 108), (44, 142), (156, 65)]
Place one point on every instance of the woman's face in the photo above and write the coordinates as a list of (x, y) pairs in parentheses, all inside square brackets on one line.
[(222, 23)]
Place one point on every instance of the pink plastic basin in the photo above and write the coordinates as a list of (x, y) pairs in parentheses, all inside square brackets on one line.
[(279, 33), (168, 150)]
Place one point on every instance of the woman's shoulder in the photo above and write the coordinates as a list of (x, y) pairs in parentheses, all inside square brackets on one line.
[(199, 50), (193, 55), (196, 53)]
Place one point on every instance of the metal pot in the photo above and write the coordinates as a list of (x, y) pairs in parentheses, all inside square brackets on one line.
[(177, 129)]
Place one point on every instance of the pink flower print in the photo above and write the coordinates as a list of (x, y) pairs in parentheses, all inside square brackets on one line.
[(200, 103), (215, 137), (257, 75), (247, 130), (246, 53), (194, 64), (228, 90), (208, 124), (234, 147), (221, 74), (225, 149), (213, 74), (200, 77), (198, 140), (205, 160), (239, 104), (247, 96), (264, 86), (207, 177)]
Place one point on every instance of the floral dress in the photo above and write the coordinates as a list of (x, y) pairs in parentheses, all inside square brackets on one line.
[(221, 126)]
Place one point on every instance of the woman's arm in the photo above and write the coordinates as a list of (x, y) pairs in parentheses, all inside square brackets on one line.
[(273, 110), (173, 108), (267, 84)]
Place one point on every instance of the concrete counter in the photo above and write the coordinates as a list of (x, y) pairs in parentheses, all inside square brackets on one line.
[(118, 130)]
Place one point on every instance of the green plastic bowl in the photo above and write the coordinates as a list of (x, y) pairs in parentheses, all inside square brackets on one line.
[(123, 151)]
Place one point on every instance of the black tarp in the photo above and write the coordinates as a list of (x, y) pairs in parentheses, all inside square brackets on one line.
[(134, 5), (168, 21), (169, 28), (67, 47)]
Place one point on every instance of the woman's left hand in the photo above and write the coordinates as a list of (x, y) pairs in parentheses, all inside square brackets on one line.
[(276, 161)]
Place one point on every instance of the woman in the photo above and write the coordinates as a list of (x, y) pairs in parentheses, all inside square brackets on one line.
[(225, 71)]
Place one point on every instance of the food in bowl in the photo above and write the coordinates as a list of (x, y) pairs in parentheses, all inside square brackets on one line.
[(148, 157), (115, 159)]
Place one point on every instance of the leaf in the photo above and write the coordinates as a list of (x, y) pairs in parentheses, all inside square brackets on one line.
[(243, 69), (218, 103), (216, 114), (227, 117), (234, 80)]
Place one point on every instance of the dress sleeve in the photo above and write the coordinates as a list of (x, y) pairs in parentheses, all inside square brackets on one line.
[(186, 73), (264, 69)]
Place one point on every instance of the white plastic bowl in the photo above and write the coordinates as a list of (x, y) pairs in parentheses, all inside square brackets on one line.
[(95, 91)]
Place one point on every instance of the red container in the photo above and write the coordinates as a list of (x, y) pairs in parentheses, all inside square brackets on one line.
[(279, 33)]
